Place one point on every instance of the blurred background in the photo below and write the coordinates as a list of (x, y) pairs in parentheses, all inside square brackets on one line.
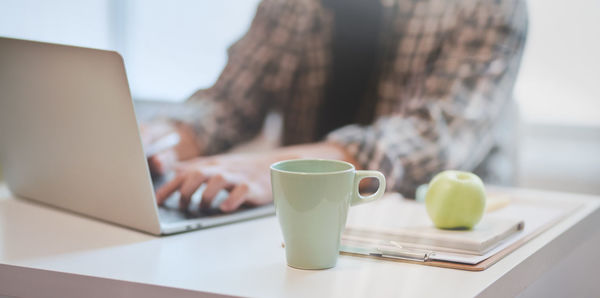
[(170, 50)]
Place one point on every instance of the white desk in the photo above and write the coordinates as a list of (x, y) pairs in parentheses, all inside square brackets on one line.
[(45, 252)]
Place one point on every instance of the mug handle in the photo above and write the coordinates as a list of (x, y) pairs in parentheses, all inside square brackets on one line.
[(360, 175)]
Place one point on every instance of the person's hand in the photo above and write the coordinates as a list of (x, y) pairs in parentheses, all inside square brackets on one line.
[(245, 176), (167, 144)]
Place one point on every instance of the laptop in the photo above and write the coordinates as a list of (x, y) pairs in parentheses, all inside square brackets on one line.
[(69, 139)]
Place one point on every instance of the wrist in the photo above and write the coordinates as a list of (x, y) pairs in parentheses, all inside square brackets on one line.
[(189, 138)]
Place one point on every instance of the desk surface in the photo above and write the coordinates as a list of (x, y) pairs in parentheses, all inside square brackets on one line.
[(48, 252)]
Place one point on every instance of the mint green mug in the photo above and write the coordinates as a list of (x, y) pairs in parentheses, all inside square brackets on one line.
[(311, 198)]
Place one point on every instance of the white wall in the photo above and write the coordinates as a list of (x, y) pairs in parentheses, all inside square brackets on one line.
[(559, 81), (170, 48), (82, 23), (173, 48), (559, 93)]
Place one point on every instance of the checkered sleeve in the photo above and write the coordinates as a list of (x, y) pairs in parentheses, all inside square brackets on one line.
[(448, 108), (260, 67)]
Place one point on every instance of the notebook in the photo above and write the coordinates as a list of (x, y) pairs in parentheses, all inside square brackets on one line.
[(539, 213), (394, 223)]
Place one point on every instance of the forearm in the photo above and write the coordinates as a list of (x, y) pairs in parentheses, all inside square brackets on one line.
[(324, 150)]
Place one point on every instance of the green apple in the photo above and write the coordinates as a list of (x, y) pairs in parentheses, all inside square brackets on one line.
[(455, 200)]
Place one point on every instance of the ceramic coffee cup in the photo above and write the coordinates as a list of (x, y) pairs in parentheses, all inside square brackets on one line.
[(311, 198)]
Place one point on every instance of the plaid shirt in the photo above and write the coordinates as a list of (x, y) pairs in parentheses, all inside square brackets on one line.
[(446, 71)]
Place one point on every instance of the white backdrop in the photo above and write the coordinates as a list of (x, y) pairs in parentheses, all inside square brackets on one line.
[(171, 48)]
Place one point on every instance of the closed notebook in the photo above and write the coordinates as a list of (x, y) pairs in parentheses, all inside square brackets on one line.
[(400, 223)]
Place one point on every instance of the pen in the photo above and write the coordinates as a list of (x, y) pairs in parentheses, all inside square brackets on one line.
[(413, 255)]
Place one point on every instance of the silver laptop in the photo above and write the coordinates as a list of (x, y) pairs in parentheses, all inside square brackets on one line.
[(69, 139)]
